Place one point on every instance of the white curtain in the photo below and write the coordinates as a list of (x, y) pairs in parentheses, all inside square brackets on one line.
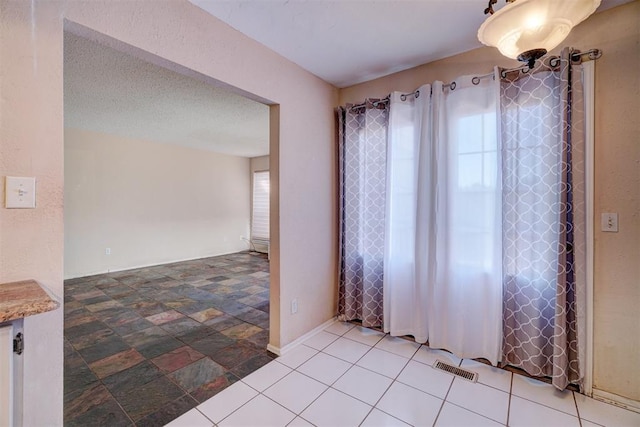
[(443, 192)]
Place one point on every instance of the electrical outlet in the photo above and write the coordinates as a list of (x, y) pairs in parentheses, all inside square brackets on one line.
[(294, 306), (107, 251)]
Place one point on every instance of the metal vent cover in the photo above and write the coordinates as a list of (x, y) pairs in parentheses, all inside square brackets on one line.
[(454, 370)]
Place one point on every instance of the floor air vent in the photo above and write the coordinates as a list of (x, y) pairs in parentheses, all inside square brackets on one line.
[(454, 370)]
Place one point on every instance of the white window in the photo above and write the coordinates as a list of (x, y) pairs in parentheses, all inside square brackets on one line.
[(260, 214)]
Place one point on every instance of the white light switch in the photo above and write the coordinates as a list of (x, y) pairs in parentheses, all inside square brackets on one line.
[(20, 192), (609, 222)]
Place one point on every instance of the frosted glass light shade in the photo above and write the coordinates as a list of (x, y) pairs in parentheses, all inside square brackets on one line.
[(529, 25)]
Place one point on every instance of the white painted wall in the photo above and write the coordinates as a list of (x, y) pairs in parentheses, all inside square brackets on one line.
[(166, 33), (149, 203)]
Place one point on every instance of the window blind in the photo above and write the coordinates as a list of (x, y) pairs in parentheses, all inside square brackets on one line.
[(260, 214)]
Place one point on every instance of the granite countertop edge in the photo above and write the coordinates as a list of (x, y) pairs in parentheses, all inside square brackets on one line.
[(23, 299)]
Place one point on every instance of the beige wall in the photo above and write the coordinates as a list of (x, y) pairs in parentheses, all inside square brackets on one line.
[(617, 164), (259, 163), (175, 32), (149, 203)]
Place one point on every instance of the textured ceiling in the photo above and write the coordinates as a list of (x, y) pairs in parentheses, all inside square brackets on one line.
[(351, 41), (111, 92), (342, 41)]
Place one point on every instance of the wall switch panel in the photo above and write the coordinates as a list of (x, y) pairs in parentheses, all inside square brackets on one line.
[(609, 222), (20, 192)]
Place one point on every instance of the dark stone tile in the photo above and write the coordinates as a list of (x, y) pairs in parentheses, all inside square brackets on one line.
[(158, 347), (149, 398), (169, 412), (181, 302), (132, 279), (84, 329), (165, 317), (131, 299), (121, 289), (87, 294), (106, 347), (145, 336), (72, 307), (261, 339), (235, 354), (177, 359), (255, 317), (197, 374), (75, 281), (165, 295), (206, 391), (97, 300), (106, 283), (77, 375), (195, 334), (263, 307), (205, 315), (234, 308), (68, 348), (85, 399), (245, 368), (133, 326), (124, 381), (213, 287), (104, 305), (118, 362), (238, 295), (223, 322), (241, 331), (91, 339), (108, 414), (200, 295), (212, 343), (78, 317), (112, 314), (121, 316), (195, 307), (180, 326), (148, 308)]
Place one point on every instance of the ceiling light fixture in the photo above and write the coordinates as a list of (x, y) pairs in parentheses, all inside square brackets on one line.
[(527, 29)]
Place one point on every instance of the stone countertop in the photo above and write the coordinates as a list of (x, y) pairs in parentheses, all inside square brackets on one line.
[(23, 299)]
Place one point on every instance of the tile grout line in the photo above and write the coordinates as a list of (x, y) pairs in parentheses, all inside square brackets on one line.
[(510, 397)]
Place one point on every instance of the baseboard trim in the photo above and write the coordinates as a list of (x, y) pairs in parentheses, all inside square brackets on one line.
[(614, 399), (280, 351), (153, 264)]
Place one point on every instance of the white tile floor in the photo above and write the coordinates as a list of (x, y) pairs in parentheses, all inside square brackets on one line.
[(352, 376)]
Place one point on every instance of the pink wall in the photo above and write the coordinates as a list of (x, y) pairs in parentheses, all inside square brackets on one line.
[(167, 33)]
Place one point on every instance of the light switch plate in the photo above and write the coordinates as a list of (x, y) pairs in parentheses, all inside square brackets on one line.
[(20, 192), (609, 222)]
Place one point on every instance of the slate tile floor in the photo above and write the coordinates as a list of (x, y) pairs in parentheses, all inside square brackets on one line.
[(144, 346)]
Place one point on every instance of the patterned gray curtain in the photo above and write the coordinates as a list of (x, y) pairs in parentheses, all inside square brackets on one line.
[(542, 130), (362, 150)]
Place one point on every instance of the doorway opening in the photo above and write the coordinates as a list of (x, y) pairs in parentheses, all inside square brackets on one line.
[(167, 293)]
